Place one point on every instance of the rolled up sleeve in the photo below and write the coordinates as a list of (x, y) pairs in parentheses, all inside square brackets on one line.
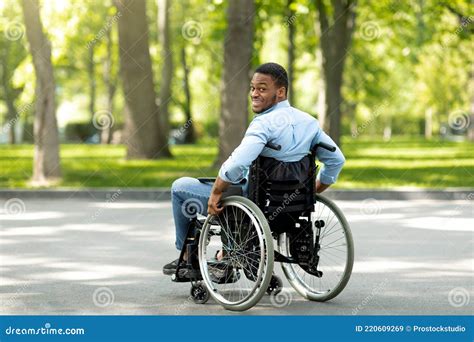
[(235, 168), (333, 161)]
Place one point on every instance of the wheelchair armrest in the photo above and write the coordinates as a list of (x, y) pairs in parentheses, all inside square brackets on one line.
[(213, 179), (207, 179)]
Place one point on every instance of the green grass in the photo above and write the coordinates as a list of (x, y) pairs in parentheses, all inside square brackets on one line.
[(370, 164)]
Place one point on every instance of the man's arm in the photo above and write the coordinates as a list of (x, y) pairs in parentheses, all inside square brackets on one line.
[(235, 167), (320, 187), (333, 162), (219, 187)]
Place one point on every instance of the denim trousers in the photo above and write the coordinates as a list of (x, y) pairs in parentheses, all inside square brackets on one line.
[(189, 197)]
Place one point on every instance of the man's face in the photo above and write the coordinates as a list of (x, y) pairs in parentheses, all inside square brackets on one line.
[(264, 93)]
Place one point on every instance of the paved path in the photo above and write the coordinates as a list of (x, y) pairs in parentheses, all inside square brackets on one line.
[(82, 257)]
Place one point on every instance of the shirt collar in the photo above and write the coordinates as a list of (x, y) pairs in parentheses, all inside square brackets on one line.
[(281, 104)]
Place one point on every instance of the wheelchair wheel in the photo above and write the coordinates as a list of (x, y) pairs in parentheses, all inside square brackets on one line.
[(275, 286), (336, 254), (199, 293), (241, 231)]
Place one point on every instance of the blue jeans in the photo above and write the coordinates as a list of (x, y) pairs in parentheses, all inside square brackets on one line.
[(189, 197)]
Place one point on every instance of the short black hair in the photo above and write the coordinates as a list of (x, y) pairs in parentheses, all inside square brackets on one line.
[(277, 72)]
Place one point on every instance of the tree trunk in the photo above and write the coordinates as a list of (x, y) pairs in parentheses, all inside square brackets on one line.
[(46, 165), (144, 136), (291, 51), (428, 123), (190, 136), (167, 57), (110, 80), (236, 78), (92, 83), (321, 104), (387, 131), (470, 127), (335, 42), (9, 93)]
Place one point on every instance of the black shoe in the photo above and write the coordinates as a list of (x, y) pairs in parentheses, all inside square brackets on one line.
[(222, 272), (170, 268)]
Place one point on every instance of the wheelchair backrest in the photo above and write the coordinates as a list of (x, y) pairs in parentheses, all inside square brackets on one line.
[(281, 188)]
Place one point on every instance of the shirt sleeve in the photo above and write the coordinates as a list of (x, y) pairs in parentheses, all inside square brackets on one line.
[(236, 166), (333, 161)]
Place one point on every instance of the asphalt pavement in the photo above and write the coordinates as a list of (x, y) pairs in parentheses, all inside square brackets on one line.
[(77, 256)]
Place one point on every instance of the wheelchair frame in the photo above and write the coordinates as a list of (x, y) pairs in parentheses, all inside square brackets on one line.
[(304, 253)]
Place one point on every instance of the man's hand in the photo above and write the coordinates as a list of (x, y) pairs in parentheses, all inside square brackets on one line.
[(320, 187), (213, 205)]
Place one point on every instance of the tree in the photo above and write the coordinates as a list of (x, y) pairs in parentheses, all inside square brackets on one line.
[(236, 77), (46, 165), (167, 57), (190, 137), (12, 54), (144, 136), (336, 34), (110, 80), (291, 22)]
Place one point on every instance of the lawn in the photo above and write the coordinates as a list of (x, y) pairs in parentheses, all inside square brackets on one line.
[(401, 162)]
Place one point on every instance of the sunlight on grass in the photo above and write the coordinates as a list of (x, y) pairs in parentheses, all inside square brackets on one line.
[(399, 163)]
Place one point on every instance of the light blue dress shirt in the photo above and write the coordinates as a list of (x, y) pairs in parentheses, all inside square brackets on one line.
[(295, 131)]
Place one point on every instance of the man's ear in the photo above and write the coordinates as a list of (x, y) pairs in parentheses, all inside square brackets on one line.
[(281, 92)]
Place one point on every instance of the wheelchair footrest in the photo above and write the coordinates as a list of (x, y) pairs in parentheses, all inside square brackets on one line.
[(185, 275)]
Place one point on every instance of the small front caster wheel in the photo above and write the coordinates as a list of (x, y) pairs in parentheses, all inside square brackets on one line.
[(199, 294), (275, 286)]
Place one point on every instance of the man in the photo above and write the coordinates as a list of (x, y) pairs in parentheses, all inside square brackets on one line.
[(275, 121)]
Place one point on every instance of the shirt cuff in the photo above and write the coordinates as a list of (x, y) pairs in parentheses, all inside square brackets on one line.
[(325, 179), (223, 176)]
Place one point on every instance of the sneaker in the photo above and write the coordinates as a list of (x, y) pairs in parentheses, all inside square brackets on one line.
[(170, 268), (222, 273)]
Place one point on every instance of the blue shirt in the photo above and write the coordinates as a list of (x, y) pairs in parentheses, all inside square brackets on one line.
[(295, 131)]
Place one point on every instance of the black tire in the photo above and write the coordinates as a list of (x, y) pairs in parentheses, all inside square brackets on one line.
[(243, 232), (336, 255), (275, 286), (199, 293)]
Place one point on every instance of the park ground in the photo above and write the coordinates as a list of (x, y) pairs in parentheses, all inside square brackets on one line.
[(97, 257)]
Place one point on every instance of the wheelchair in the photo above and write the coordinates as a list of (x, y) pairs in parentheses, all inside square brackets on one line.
[(281, 220)]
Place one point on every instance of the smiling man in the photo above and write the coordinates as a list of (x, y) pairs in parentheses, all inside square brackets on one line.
[(276, 122)]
